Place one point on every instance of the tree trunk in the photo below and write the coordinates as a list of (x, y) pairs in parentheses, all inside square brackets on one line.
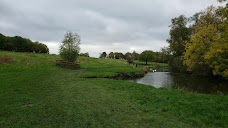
[(146, 62)]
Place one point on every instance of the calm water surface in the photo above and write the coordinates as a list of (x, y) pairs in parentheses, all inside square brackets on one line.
[(183, 81)]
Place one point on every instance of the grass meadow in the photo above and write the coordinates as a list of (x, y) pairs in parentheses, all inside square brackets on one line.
[(36, 93)]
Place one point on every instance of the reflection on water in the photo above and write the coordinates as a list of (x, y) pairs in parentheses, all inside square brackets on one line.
[(184, 81), (156, 79)]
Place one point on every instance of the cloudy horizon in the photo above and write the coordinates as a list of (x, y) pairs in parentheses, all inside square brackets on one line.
[(104, 26)]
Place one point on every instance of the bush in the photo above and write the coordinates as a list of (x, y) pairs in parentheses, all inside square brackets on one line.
[(69, 47), (130, 59)]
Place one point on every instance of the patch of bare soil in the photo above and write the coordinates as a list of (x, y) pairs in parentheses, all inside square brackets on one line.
[(67, 64), (6, 60)]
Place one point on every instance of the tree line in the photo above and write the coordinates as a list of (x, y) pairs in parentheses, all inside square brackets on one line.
[(199, 44), (19, 44), (119, 55), (146, 56)]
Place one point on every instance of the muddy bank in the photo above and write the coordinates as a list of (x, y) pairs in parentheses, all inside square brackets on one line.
[(123, 76)]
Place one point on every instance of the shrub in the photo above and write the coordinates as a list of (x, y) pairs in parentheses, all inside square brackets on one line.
[(69, 47)]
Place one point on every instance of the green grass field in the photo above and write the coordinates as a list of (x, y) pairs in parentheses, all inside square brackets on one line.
[(36, 93)]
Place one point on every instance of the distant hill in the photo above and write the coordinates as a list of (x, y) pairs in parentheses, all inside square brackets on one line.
[(20, 44)]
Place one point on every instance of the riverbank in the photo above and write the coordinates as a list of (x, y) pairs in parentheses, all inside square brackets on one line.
[(36, 93), (122, 76)]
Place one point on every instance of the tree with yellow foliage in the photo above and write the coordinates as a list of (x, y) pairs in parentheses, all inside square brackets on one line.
[(217, 56), (207, 51)]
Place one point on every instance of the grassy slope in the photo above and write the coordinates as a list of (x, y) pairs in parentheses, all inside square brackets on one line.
[(35, 93)]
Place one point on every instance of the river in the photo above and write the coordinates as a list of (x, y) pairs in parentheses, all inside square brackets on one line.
[(184, 81)]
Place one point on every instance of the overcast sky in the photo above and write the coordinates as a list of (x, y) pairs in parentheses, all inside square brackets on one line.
[(104, 25)]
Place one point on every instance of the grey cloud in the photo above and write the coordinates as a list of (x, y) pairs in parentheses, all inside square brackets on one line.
[(132, 23)]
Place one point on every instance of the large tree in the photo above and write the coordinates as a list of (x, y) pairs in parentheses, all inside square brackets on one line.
[(199, 44), (135, 55), (147, 56), (217, 56), (103, 55), (127, 55), (208, 51), (119, 55), (111, 55), (165, 54), (179, 36), (69, 47)]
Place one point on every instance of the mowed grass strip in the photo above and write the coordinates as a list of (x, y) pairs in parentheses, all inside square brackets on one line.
[(43, 95)]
